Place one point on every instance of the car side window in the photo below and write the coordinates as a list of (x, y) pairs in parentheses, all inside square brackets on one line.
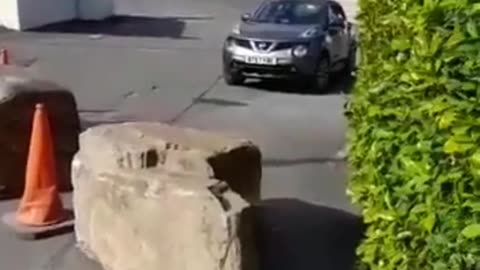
[(337, 12), (331, 15)]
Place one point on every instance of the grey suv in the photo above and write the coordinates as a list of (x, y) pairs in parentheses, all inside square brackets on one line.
[(290, 39)]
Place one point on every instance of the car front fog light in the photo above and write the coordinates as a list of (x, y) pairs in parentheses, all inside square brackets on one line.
[(300, 51)]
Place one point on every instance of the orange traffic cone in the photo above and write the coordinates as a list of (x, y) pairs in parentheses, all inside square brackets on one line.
[(41, 204), (41, 211), (4, 57)]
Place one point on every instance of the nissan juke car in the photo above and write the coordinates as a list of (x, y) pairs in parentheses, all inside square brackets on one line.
[(306, 40)]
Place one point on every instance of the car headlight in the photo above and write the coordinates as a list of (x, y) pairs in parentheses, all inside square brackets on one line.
[(309, 33), (236, 29), (229, 44), (300, 51)]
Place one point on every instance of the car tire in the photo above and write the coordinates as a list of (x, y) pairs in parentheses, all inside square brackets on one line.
[(351, 61), (321, 79), (232, 77)]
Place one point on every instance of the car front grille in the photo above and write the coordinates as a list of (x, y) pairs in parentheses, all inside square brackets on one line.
[(263, 45), (282, 45)]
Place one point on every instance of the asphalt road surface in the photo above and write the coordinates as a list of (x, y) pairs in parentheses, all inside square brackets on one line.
[(162, 62)]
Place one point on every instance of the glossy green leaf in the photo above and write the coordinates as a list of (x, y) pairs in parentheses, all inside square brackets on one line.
[(475, 9), (447, 119), (475, 159), (471, 231), (400, 44), (429, 222), (472, 205), (435, 44), (469, 86), (455, 39), (454, 147), (472, 28)]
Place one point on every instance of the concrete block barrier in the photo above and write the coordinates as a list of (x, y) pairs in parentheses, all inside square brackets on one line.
[(152, 196)]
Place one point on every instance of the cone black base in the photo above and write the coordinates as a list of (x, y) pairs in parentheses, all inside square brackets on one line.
[(34, 233)]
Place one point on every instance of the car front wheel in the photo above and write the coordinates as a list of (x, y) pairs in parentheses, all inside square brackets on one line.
[(322, 74), (351, 61), (232, 77)]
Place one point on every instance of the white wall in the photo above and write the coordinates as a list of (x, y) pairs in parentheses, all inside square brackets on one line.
[(94, 9), (34, 13), (26, 14), (9, 14)]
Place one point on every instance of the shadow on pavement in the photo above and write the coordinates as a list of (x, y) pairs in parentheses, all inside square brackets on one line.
[(295, 235), (3, 30), (340, 84), (66, 228), (127, 26), (292, 235)]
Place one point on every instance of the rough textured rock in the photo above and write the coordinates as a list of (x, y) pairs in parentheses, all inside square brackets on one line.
[(167, 194), (154, 145), (19, 92)]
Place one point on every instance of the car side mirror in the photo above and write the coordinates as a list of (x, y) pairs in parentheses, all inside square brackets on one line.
[(336, 23), (349, 25), (246, 17)]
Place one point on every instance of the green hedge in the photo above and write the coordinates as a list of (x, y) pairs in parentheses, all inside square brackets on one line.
[(414, 134)]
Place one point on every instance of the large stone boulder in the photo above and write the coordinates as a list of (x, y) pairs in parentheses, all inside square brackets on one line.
[(178, 198), (19, 92), (138, 146)]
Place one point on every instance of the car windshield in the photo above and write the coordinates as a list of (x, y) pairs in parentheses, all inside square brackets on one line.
[(289, 12)]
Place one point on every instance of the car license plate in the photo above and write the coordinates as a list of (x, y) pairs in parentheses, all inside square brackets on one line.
[(258, 60)]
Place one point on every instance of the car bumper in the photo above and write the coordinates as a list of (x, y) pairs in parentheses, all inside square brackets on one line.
[(278, 64)]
